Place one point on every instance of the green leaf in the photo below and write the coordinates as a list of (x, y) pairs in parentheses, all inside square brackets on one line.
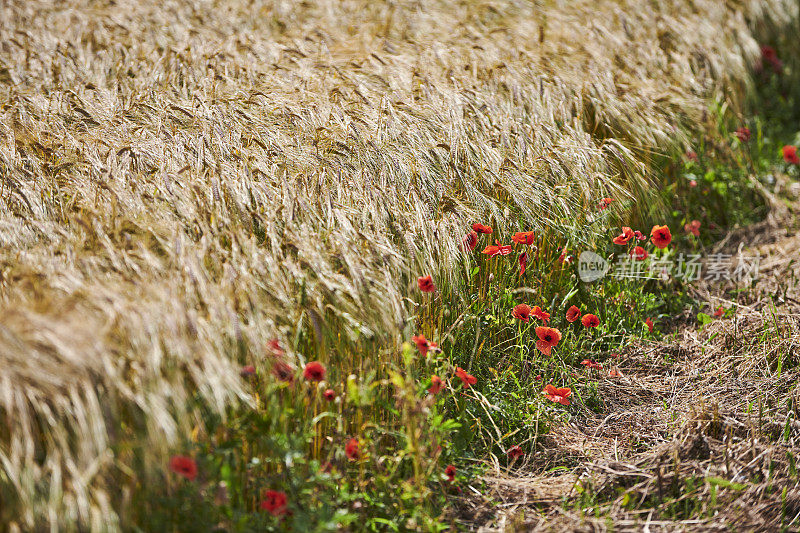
[(392, 525), (720, 482), (704, 318)]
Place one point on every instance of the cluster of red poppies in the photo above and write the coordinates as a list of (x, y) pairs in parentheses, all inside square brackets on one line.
[(692, 227), (613, 372), (437, 384), (548, 337), (275, 502), (588, 320), (470, 242), (313, 371), (660, 236)]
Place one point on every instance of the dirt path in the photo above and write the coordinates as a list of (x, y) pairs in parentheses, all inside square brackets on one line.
[(703, 431)]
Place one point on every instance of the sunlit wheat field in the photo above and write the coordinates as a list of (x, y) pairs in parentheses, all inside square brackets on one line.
[(182, 184)]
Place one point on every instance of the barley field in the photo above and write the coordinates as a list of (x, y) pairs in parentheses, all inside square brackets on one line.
[(190, 187)]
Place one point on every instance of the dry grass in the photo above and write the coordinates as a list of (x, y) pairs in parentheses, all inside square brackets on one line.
[(710, 443), (182, 181)]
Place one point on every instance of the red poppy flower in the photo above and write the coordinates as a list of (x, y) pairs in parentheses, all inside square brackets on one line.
[(497, 249), (743, 134), (538, 377), (274, 348), (769, 54), (274, 502), (470, 241), (426, 284), (423, 344), (436, 385), (605, 202), (515, 452), (660, 236), (693, 183), (329, 395), (450, 472), (541, 315), (314, 371), (638, 253), (691, 155), (352, 449), (523, 237), (588, 363), (719, 312), (790, 154), (649, 325), (558, 395), (247, 371), (522, 312), (573, 313), (523, 262), (505, 249), (548, 339), (491, 250), (626, 235), (564, 258), (481, 228), (615, 372), (590, 321), (639, 235), (467, 379), (693, 227), (184, 466), (283, 371)]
